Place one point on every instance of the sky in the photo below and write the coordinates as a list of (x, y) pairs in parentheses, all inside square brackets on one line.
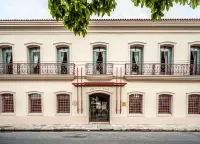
[(38, 9)]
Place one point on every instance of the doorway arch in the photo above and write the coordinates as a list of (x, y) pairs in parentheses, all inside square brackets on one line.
[(99, 107)]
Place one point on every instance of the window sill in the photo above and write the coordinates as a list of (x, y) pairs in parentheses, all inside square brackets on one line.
[(135, 115), (164, 115), (193, 115), (35, 114), (63, 114), (7, 114)]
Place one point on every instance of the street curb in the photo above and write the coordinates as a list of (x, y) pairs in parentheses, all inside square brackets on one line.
[(99, 128), (94, 130)]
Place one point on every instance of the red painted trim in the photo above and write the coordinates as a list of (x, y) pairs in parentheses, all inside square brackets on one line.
[(77, 94), (99, 84)]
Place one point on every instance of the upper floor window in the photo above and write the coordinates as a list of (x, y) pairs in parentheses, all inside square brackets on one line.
[(135, 104), (166, 60), (63, 103), (165, 104), (34, 60), (194, 104), (63, 60), (195, 60), (7, 103), (7, 59), (35, 103), (136, 59), (99, 60)]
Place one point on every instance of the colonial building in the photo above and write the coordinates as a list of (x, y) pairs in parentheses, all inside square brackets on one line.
[(125, 71)]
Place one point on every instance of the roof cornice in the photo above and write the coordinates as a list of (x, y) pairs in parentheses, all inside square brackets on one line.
[(104, 22)]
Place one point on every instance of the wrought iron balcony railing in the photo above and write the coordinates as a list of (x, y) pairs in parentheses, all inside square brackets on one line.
[(162, 69), (99, 68), (39, 68)]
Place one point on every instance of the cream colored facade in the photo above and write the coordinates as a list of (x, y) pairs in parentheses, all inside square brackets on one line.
[(117, 36)]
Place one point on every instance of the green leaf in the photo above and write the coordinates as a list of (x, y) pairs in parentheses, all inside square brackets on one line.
[(76, 14)]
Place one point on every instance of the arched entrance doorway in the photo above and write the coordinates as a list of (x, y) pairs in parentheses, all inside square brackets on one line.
[(99, 107)]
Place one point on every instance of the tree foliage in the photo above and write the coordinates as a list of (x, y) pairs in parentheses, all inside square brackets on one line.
[(75, 14)]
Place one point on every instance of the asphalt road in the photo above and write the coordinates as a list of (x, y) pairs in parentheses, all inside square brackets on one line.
[(100, 138)]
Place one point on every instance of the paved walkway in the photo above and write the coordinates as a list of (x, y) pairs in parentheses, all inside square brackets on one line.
[(100, 127)]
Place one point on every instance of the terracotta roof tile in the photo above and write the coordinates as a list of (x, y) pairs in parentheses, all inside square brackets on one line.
[(137, 19)]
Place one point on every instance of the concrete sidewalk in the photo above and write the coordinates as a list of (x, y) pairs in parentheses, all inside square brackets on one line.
[(101, 127)]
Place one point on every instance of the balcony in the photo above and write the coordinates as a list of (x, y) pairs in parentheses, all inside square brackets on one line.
[(35, 71), (162, 71), (99, 71)]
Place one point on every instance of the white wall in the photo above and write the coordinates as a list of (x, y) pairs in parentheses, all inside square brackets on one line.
[(80, 53)]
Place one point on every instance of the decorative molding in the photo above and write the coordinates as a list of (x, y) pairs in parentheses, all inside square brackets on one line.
[(62, 92), (136, 92), (190, 93), (7, 92), (30, 44), (137, 43), (99, 77), (99, 43), (59, 44), (194, 43), (99, 91), (165, 92), (34, 92), (167, 43), (5, 44)]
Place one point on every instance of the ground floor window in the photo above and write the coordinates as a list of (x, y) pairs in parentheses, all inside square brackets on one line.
[(194, 104), (7, 103), (135, 104), (63, 103), (165, 104), (35, 103)]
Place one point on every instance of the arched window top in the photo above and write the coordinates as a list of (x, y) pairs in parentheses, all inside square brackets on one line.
[(6, 45), (63, 92), (33, 45), (194, 44), (165, 93), (34, 92), (7, 92), (193, 93), (137, 44), (167, 44), (62, 44), (99, 44), (136, 92)]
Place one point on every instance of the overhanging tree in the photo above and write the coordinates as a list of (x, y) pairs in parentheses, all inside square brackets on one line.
[(75, 14)]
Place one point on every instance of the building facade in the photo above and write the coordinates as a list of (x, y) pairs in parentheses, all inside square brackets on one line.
[(125, 71)]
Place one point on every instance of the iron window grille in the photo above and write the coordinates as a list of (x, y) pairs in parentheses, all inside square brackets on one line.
[(194, 104), (135, 104), (7, 103), (35, 103), (165, 104), (63, 103)]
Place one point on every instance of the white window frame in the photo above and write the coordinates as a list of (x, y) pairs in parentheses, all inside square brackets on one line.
[(14, 103), (187, 98), (170, 44), (143, 104), (172, 104), (55, 103), (42, 104)]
